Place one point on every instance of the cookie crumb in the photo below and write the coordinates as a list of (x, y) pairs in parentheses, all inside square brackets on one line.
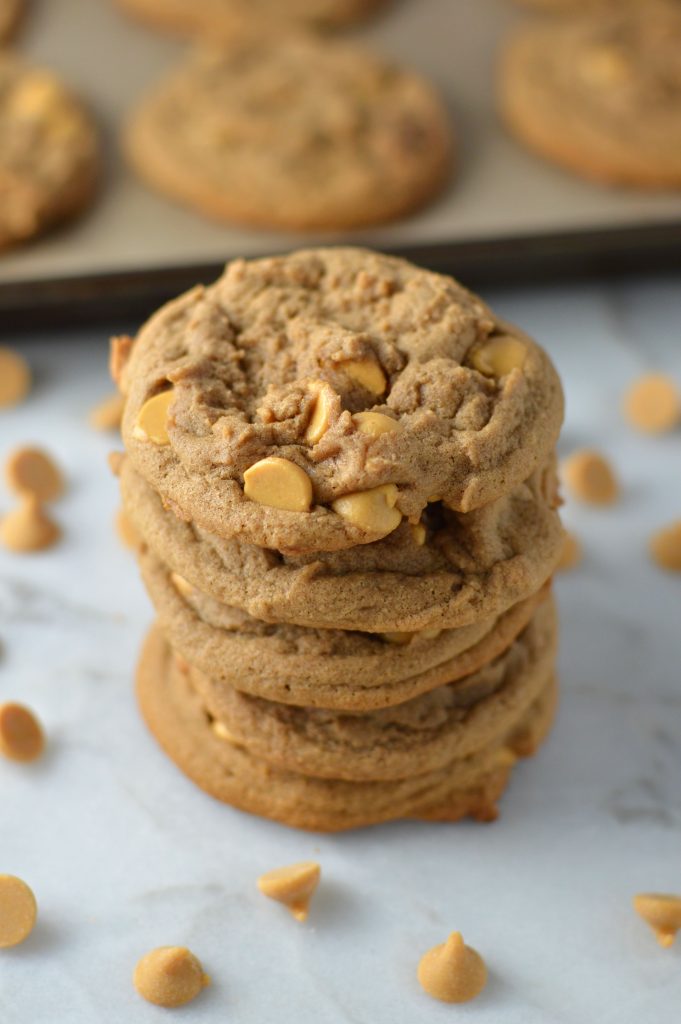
[(665, 547), (653, 404), (33, 471), (18, 911), (28, 527), (662, 911), (21, 735), (293, 886), (15, 378), (169, 976), (571, 555), (452, 972), (107, 415), (590, 477)]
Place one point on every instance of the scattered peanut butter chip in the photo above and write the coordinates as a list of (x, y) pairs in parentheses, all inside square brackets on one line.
[(653, 404), (376, 423), (169, 976), (32, 471), (571, 554), (152, 419), (109, 413), (28, 527), (665, 547), (15, 378), (279, 483), (367, 373), (662, 912), (18, 911), (322, 411), (373, 510), (452, 971), (21, 735), (498, 356), (127, 534), (590, 477), (293, 886)]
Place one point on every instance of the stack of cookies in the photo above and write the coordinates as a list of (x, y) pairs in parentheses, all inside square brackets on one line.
[(340, 468)]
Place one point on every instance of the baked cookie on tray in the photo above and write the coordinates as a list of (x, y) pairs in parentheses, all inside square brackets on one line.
[(11, 12), (198, 17), (49, 152), (471, 786), (292, 132), (314, 402), (600, 94)]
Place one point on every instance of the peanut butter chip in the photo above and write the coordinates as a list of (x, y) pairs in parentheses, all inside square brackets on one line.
[(653, 404), (571, 554), (375, 423), (662, 912), (32, 471), (322, 412), (152, 419), (28, 527), (418, 532), (402, 639), (452, 971), (18, 911), (665, 547), (367, 373), (15, 378), (373, 510), (21, 736), (279, 483), (590, 478), (498, 356), (109, 413), (182, 585), (605, 66), (169, 976), (293, 886)]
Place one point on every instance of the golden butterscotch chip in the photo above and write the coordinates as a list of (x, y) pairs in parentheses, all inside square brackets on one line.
[(279, 483), (367, 373), (107, 415), (665, 547), (169, 976), (21, 736), (571, 554), (32, 471), (373, 510), (419, 533), (498, 356), (15, 378), (293, 886), (653, 404), (452, 972), (36, 95), (428, 634), (28, 527), (323, 406), (662, 911), (127, 534), (401, 639), (152, 419), (223, 733), (376, 423), (182, 585), (590, 478), (605, 66), (18, 911)]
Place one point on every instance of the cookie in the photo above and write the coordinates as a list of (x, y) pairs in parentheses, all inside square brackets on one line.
[(197, 17), (343, 390), (600, 94), (176, 717), (49, 161), (471, 567), (327, 668), (418, 736), (292, 132), (11, 12)]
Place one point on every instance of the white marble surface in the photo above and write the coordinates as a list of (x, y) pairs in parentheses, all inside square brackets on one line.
[(124, 854)]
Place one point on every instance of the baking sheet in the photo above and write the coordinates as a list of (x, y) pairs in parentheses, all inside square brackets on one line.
[(507, 213)]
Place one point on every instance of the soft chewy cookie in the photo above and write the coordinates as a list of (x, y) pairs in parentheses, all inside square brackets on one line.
[(421, 735), (465, 568), (193, 17), (177, 718), (49, 158), (10, 14), (327, 668), (293, 132), (601, 94), (312, 402)]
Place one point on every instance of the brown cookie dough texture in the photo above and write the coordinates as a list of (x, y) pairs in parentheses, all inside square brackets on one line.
[(197, 17), (600, 94), (246, 365), (293, 132), (49, 159), (11, 12)]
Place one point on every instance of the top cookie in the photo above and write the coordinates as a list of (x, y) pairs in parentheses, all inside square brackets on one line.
[(10, 14), (601, 94), (192, 17), (310, 402)]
